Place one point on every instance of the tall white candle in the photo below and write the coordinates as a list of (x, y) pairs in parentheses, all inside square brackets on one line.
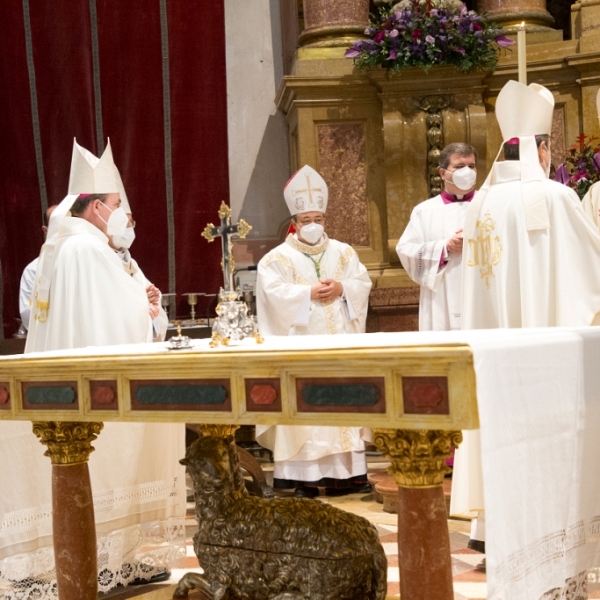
[(522, 54)]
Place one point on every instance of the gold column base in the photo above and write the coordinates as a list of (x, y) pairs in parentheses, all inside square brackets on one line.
[(418, 455)]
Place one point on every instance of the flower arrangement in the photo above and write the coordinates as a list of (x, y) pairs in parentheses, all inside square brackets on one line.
[(582, 165), (426, 34)]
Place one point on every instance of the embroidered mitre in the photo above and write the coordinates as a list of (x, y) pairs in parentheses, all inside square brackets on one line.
[(306, 191)]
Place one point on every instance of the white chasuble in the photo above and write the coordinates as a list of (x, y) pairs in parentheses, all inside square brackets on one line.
[(138, 484), (513, 277), (421, 249), (591, 204), (284, 307)]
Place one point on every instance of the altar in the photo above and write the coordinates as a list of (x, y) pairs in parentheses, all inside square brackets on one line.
[(532, 392)]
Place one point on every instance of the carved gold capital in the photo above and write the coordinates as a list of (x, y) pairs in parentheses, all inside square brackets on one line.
[(418, 455), (68, 443), (217, 430)]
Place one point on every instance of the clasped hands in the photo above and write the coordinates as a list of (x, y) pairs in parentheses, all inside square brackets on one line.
[(455, 243), (326, 290), (153, 301)]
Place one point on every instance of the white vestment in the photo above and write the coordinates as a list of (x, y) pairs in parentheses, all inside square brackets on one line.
[(285, 276), (591, 203), (517, 278), (137, 482), (25, 289), (159, 323), (420, 249)]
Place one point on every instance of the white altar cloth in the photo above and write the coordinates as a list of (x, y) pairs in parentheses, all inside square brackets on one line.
[(538, 393)]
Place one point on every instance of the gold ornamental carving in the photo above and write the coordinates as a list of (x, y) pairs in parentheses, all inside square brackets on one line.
[(222, 431), (433, 106), (486, 249), (69, 443), (418, 455)]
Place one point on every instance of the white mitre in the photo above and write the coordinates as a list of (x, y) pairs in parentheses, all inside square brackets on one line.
[(89, 175), (306, 191), (93, 175), (522, 112)]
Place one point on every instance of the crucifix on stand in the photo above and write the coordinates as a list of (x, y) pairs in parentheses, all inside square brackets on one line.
[(232, 322)]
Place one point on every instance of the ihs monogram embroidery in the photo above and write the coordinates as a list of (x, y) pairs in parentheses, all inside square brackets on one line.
[(486, 249)]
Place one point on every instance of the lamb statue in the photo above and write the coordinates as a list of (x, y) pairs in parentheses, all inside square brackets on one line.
[(252, 548)]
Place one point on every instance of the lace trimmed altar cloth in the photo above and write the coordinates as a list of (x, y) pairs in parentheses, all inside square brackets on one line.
[(139, 508), (538, 394)]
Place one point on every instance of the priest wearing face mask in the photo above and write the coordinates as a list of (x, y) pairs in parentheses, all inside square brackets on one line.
[(430, 248), (83, 297), (313, 285)]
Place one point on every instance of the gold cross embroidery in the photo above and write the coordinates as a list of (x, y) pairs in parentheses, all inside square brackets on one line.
[(310, 190), (485, 248)]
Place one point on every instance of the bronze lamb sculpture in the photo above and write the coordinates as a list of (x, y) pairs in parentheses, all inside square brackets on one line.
[(281, 549)]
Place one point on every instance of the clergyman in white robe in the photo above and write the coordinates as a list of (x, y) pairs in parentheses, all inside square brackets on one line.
[(531, 256), (284, 307), (423, 248), (137, 482)]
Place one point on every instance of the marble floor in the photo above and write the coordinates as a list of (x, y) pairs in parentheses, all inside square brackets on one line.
[(469, 582)]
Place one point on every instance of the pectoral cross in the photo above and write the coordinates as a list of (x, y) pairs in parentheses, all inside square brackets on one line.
[(226, 230)]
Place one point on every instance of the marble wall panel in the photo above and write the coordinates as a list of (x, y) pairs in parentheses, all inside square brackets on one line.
[(342, 162)]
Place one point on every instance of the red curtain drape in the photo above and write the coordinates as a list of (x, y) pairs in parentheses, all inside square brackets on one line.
[(148, 74)]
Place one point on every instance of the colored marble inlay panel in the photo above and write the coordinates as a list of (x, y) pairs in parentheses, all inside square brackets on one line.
[(263, 395), (341, 394), (425, 395), (104, 395), (59, 395), (204, 394), (342, 161), (4, 396)]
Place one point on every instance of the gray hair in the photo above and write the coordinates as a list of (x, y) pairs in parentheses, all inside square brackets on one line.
[(459, 148)]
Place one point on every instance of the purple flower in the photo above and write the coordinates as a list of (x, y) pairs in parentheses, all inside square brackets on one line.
[(379, 37), (392, 54), (463, 10), (394, 33), (503, 41), (562, 175), (461, 51), (430, 39), (596, 161), (352, 52)]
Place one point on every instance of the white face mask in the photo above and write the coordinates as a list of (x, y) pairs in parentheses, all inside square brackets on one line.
[(125, 239), (464, 179), (117, 222), (311, 233)]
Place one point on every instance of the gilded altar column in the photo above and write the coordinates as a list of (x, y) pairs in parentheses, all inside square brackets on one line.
[(73, 526), (333, 23), (511, 13), (419, 464)]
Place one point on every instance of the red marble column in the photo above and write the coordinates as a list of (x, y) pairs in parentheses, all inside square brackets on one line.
[(511, 13), (424, 545), (74, 532), (333, 22), (73, 525), (419, 465)]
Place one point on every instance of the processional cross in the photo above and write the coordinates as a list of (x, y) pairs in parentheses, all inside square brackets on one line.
[(233, 321), (226, 230)]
